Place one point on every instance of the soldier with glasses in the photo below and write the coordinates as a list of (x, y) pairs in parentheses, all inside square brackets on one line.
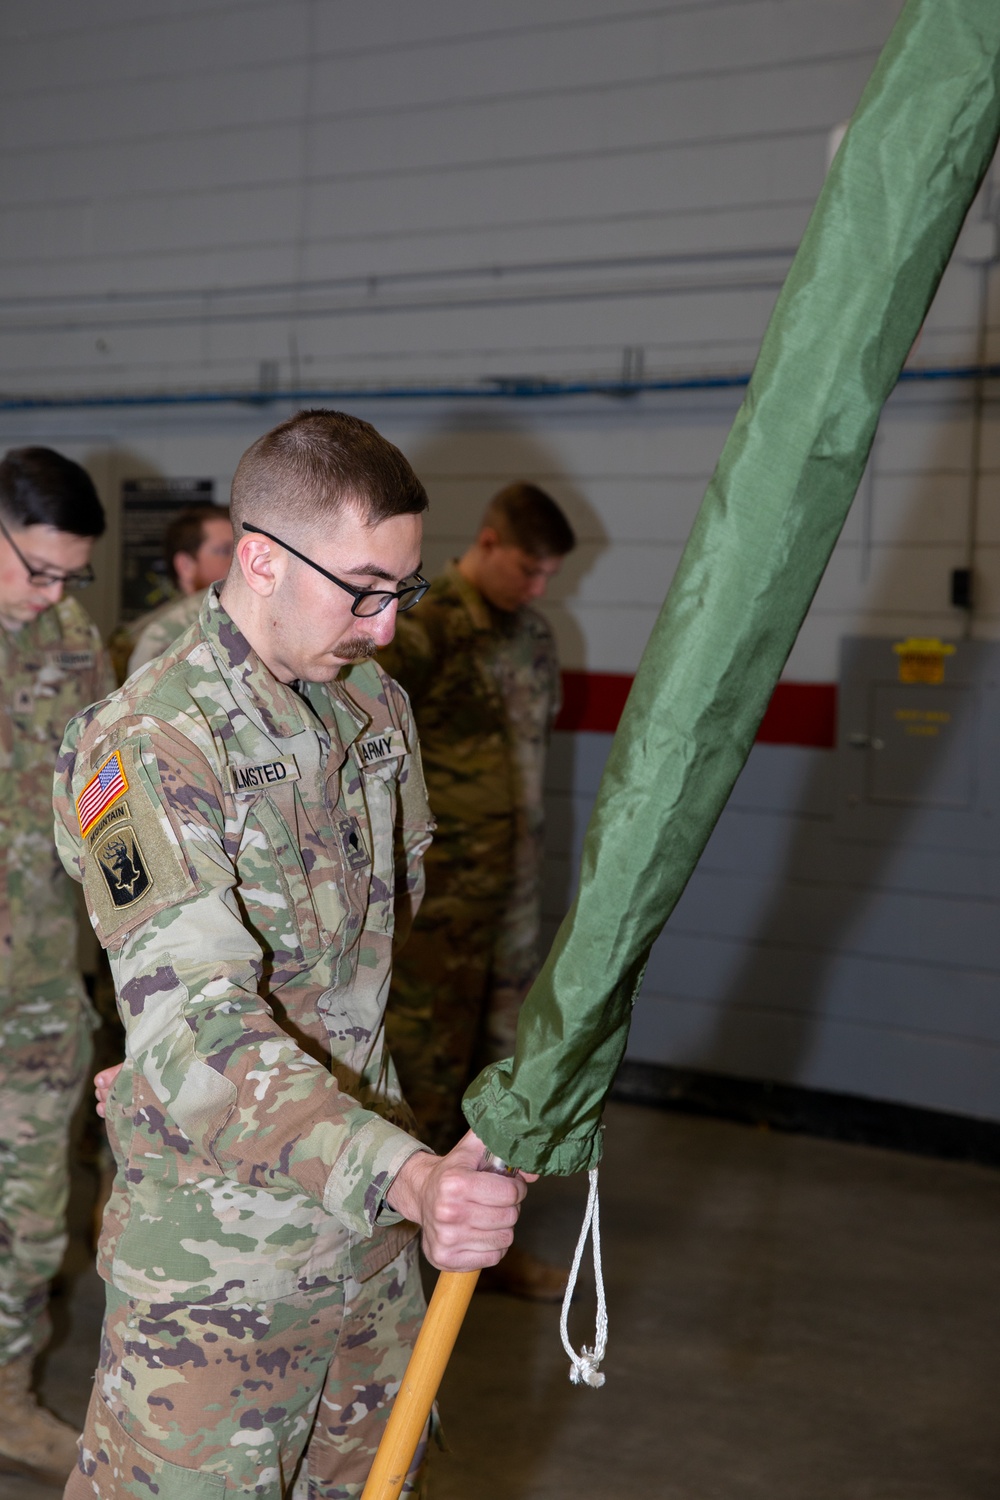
[(248, 817), (51, 666)]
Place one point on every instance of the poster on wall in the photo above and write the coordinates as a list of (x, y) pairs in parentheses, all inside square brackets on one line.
[(148, 507)]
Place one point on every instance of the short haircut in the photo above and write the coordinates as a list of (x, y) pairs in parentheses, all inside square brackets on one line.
[(524, 516), (39, 487), (186, 532), (310, 469)]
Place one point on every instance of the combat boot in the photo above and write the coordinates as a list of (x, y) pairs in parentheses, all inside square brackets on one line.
[(32, 1440)]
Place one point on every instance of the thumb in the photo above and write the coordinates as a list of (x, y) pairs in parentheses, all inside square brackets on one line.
[(469, 1151), (473, 1152)]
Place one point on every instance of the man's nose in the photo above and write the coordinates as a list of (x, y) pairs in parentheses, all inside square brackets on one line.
[(382, 627)]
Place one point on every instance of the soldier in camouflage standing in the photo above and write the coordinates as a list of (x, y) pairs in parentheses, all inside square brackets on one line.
[(248, 816), (197, 549), (479, 665), (51, 666)]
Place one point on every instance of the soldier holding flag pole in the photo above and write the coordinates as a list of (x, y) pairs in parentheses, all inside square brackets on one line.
[(857, 293)]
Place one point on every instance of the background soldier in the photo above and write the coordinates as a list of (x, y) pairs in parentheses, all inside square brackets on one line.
[(480, 668), (197, 549), (51, 666), (248, 818)]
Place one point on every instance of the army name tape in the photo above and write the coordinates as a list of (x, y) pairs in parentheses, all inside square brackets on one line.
[(379, 747), (70, 661)]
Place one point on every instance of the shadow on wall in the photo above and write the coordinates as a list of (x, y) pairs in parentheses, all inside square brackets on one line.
[(463, 463), (820, 955)]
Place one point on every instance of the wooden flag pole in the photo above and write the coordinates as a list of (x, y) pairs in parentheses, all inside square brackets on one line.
[(428, 1363)]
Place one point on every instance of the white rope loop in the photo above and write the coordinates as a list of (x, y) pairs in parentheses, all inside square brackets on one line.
[(584, 1367)]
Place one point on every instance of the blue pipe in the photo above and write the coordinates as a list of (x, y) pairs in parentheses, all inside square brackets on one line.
[(519, 390)]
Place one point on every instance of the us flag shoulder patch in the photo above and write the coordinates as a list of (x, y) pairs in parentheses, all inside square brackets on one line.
[(101, 791)]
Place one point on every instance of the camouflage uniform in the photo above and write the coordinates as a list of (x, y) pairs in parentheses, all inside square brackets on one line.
[(121, 641), (158, 630), (49, 669), (245, 849), (484, 687)]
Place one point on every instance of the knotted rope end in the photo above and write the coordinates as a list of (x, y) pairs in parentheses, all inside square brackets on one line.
[(584, 1371), (583, 1367)]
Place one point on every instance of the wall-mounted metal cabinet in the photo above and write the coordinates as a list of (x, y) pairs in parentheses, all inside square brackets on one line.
[(919, 743)]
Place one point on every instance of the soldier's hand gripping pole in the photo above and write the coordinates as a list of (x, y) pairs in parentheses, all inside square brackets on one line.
[(427, 1365)]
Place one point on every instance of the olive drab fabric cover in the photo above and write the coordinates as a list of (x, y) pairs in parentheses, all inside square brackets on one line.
[(856, 295)]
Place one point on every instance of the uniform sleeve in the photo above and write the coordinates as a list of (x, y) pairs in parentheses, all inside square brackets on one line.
[(105, 680), (149, 645), (414, 824), (102, 676), (553, 675), (409, 657), (162, 891)]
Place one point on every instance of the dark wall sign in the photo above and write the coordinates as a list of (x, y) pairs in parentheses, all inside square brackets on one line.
[(148, 506)]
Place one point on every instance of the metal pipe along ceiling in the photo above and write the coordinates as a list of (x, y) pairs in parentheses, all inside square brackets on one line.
[(491, 389)]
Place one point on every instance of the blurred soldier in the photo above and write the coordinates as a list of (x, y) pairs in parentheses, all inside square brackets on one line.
[(197, 549), (248, 817), (480, 668), (51, 666)]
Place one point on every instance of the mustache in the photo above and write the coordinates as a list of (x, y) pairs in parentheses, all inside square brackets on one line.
[(355, 648)]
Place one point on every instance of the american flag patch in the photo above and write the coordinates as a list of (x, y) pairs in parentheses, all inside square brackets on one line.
[(101, 790)]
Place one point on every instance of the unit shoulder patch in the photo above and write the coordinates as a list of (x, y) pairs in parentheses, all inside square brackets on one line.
[(120, 859), (133, 867)]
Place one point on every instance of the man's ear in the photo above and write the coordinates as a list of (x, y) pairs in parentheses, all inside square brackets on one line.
[(261, 563), (488, 538)]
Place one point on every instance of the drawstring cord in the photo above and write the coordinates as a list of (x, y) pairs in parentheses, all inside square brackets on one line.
[(584, 1367)]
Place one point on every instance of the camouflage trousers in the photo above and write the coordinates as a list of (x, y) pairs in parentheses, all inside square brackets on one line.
[(285, 1400), (458, 984), (45, 1050)]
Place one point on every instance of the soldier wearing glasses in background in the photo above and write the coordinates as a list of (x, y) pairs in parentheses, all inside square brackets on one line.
[(248, 817), (51, 666)]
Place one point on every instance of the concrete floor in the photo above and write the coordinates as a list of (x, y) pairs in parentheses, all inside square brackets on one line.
[(791, 1319)]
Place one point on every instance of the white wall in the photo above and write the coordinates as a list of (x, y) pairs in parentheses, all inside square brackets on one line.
[(224, 197)]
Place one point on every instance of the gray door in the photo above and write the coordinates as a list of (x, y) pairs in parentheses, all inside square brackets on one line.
[(919, 743)]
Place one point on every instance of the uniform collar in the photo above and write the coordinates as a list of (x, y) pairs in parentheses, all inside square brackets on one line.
[(36, 634), (279, 709), (478, 610)]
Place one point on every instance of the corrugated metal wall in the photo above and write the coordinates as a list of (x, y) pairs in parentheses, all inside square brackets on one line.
[(255, 196)]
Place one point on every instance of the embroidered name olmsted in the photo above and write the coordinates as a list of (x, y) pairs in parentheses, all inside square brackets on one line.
[(254, 776)]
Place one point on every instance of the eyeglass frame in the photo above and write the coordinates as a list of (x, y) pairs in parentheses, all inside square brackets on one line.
[(40, 579), (386, 595)]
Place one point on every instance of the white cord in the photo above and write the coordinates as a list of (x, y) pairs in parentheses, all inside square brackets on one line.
[(584, 1366)]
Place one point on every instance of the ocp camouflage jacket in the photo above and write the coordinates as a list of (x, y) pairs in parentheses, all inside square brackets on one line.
[(49, 670), (245, 850)]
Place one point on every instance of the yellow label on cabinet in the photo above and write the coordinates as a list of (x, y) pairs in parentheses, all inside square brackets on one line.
[(922, 658)]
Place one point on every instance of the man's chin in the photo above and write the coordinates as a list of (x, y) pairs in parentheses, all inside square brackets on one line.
[(15, 615)]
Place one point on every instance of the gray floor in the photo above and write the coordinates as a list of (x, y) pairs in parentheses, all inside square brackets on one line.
[(790, 1320)]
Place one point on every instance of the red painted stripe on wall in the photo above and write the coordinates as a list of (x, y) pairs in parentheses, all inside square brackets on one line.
[(799, 713)]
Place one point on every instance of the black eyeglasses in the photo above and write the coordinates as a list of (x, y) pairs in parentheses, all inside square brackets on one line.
[(45, 578), (367, 602)]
